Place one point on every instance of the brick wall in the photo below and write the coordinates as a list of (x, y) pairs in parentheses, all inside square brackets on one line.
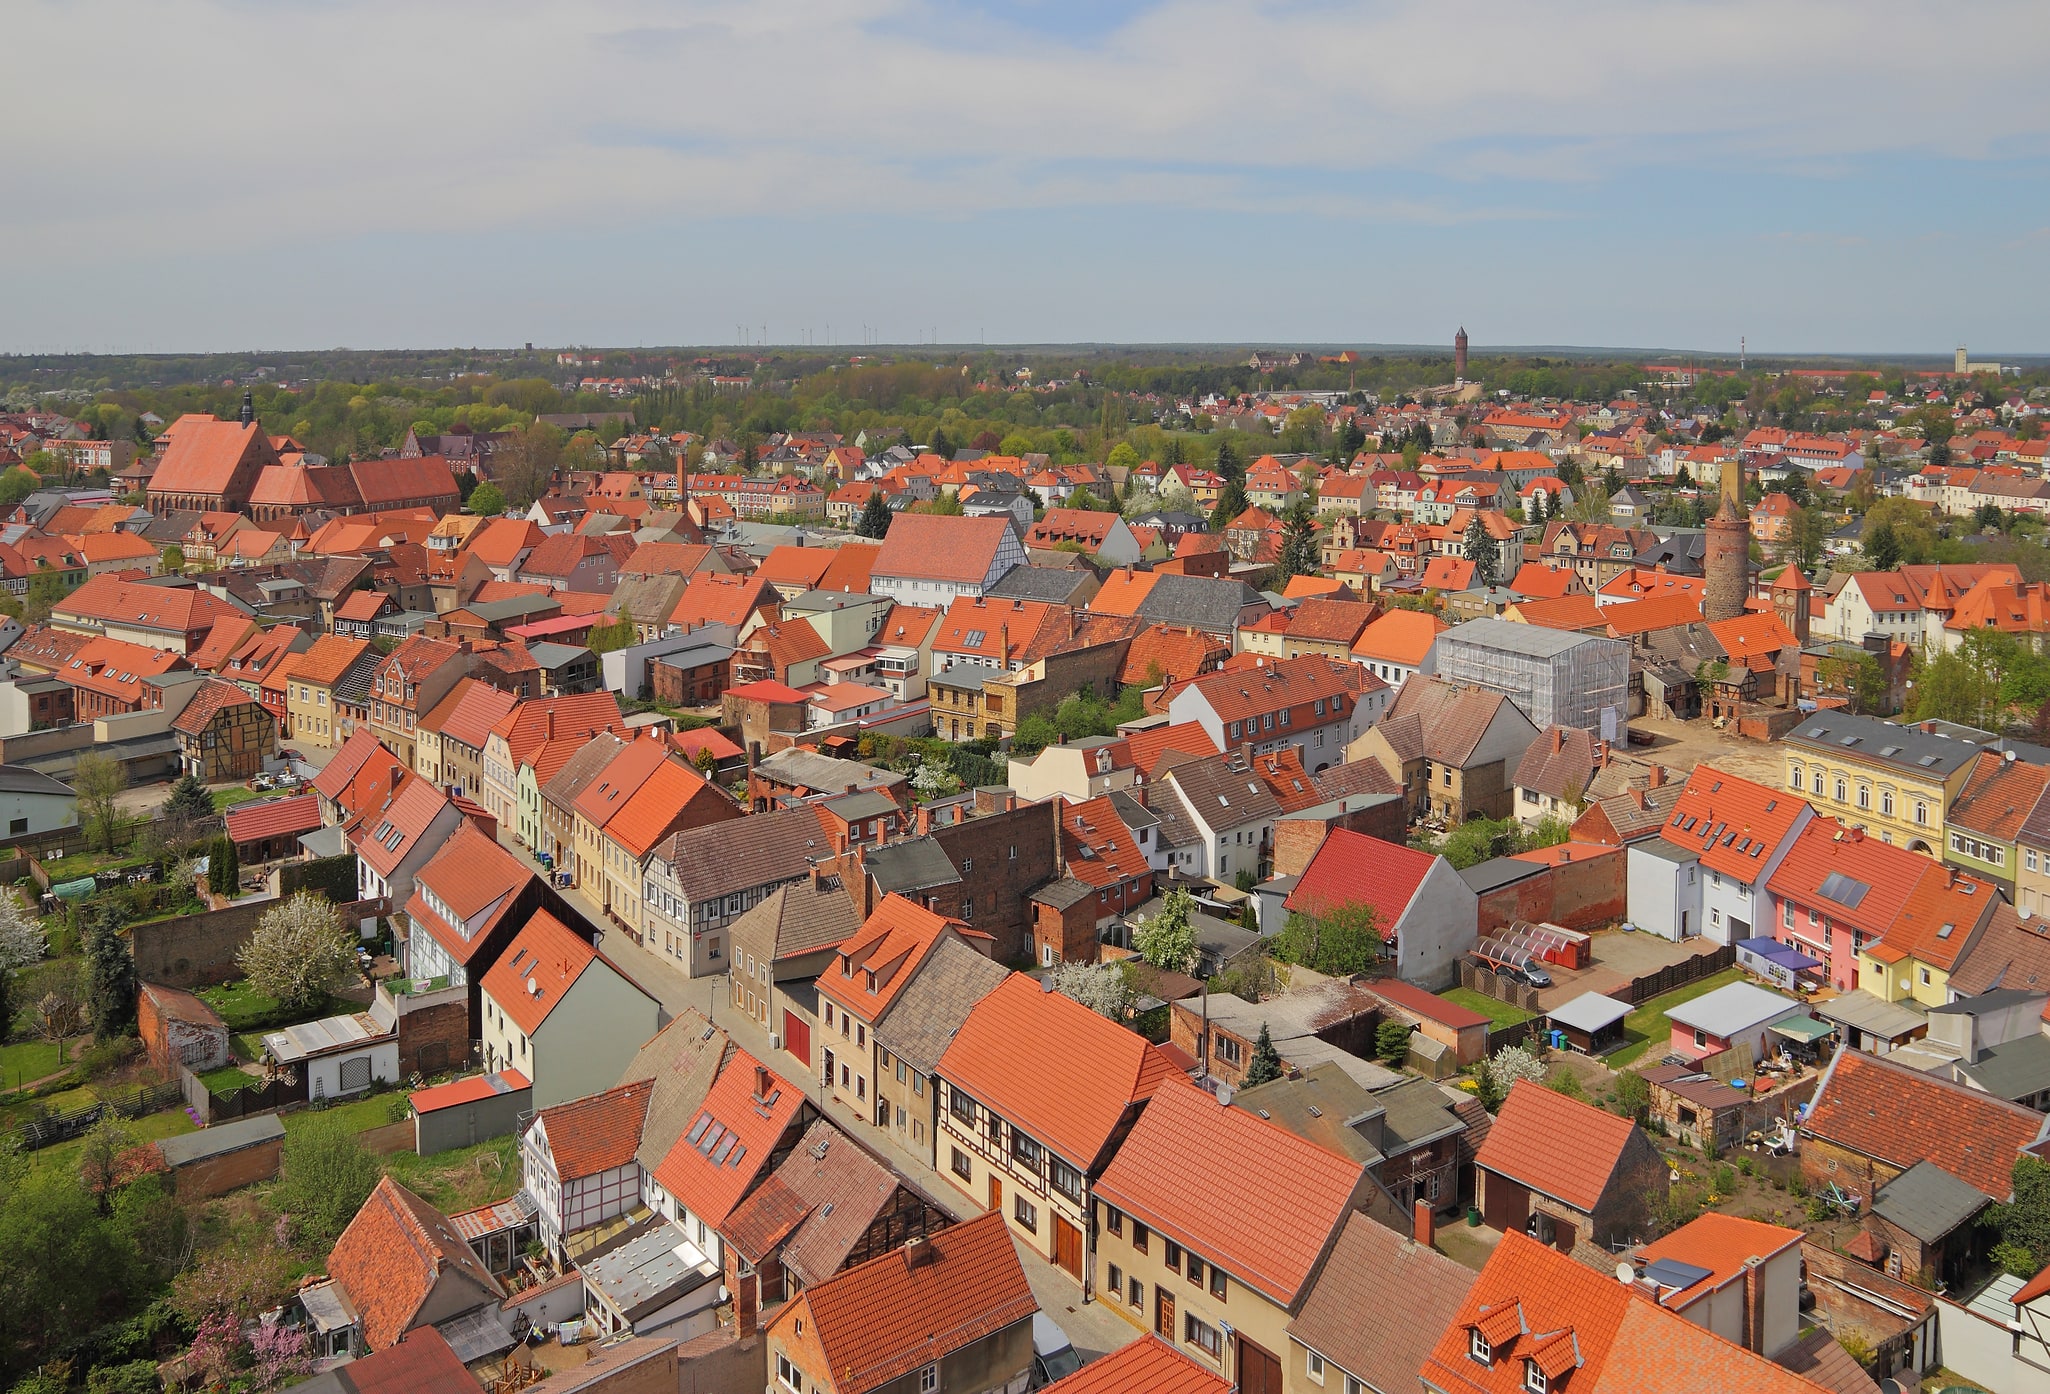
[(1585, 893), (1071, 933), (194, 950), (434, 1038), (1824, 1163), (1296, 840), (230, 1171), (999, 881)]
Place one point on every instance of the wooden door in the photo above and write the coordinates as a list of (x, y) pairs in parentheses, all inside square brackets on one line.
[(797, 1035), (996, 1193), (1259, 1370), (1163, 1314), (1067, 1248)]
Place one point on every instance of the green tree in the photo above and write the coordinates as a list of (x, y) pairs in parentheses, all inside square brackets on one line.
[(100, 1156), (1537, 509), (1228, 462), (1338, 940), (46, 591), (1299, 541), (1986, 517), (110, 980), (97, 780), (188, 802), (875, 516), (1266, 1061), (174, 560), (1808, 531), (327, 1177), (1882, 548), (487, 501), (1480, 549), (1391, 1040), (300, 952), (1121, 456), (2024, 1222), (223, 867), (617, 633), (1168, 939), (68, 1267), (1482, 840)]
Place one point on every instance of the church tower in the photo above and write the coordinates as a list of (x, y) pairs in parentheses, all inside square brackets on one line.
[(1790, 594), (1726, 563)]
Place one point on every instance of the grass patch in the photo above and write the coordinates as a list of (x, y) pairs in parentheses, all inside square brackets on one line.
[(1647, 1026), (244, 1010), (25, 1062), (227, 1080), (170, 1123), (225, 799), (360, 1115), (1494, 1009), (460, 1180)]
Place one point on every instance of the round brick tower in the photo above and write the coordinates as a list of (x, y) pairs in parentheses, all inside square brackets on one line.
[(1726, 562), (1459, 355)]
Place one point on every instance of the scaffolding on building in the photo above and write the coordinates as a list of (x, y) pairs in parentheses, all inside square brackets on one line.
[(1555, 677)]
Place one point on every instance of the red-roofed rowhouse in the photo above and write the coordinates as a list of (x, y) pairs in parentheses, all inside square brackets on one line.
[(952, 1311), (1192, 1238), (750, 1119), (467, 902), (1025, 1126), (1750, 1291), (1567, 1173), (577, 1161), (1427, 912), (561, 1013), (867, 975)]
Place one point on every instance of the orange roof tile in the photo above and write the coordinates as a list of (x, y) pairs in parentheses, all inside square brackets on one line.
[(879, 1321), (1149, 745), (474, 879), (392, 1256), (1148, 1365), (1633, 617), (1017, 1050), (1733, 823), (599, 1131), (1720, 1243), (744, 1114), (1902, 1116), (1560, 1146), (1201, 1173), (872, 967), (1569, 612), (1123, 592), (673, 792), (1400, 636)]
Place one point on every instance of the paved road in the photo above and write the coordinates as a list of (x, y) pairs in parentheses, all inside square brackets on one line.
[(1093, 1328)]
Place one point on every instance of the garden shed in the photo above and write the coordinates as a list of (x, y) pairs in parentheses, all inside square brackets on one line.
[(467, 1111), (1591, 1023)]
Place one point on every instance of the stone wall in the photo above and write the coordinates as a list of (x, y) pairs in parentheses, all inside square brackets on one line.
[(1296, 840)]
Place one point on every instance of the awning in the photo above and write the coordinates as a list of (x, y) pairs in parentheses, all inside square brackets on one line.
[(1805, 1029), (476, 1335)]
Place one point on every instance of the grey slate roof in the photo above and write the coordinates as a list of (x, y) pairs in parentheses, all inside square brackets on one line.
[(220, 1139), (2014, 1069), (915, 865), (682, 1059), (1867, 739), (936, 1001), (19, 779), (1317, 1106), (1207, 602), (743, 852), (1039, 583), (799, 766), (1928, 1202)]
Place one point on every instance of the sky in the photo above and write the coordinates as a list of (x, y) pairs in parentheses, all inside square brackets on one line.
[(1854, 176)]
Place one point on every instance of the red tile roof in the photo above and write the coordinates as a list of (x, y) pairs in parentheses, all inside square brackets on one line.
[(1589, 1333), (1560, 1146), (1353, 869), (467, 1091), (1149, 745), (1400, 636), (480, 708), (879, 1321), (1633, 617), (1721, 1244), (872, 967), (109, 599), (1908, 897), (345, 764), (934, 547), (213, 698), (1148, 1365), (576, 717), (1572, 613), (795, 566), (1731, 822), (599, 1131), (470, 875), (1017, 1050), (1202, 1174), (1296, 685), (204, 455), (674, 796), (1902, 1116), (713, 597), (298, 813), (328, 659), (1426, 1005), (715, 1163), (537, 970), (1113, 855), (393, 1255)]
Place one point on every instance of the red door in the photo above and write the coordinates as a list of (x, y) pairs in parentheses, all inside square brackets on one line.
[(796, 1035)]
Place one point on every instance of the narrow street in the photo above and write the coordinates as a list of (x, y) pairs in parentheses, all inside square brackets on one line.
[(1094, 1328)]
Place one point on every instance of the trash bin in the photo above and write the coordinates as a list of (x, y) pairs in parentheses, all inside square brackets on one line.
[(1473, 1217)]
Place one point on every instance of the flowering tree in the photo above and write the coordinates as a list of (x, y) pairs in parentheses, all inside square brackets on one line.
[(216, 1350), (277, 1353), (300, 952), (1168, 940), (1101, 987)]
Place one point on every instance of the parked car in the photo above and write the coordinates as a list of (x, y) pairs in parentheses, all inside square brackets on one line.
[(1053, 1354)]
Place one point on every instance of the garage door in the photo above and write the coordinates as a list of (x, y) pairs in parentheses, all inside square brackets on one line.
[(1506, 1205), (796, 1035)]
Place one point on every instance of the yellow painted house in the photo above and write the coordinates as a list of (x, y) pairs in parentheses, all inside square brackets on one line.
[(1895, 782)]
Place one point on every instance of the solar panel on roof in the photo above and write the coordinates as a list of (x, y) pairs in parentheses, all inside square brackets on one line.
[(1843, 890), (1671, 1273)]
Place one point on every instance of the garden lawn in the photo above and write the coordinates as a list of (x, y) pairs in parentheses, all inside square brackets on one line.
[(25, 1062), (170, 1123), (1647, 1026), (227, 1079), (462, 1179), (244, 1009), (225, 799), (361, 1115), (1494, 1009)]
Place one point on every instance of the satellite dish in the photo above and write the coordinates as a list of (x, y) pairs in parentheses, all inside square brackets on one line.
[(1626, 1272)]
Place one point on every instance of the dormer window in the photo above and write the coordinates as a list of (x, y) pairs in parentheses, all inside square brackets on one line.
[(1534, 1379), (1477, 1346)]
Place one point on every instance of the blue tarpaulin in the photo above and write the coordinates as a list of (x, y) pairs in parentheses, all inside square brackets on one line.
[(1772, 960)]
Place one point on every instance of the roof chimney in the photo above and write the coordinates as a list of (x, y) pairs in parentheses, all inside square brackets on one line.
[(1558, 739), (917, 1253)]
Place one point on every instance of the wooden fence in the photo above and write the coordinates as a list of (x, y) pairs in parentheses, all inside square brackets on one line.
[(1675, 975), (45, 1130), (246, 1102), (1514, 1035)]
